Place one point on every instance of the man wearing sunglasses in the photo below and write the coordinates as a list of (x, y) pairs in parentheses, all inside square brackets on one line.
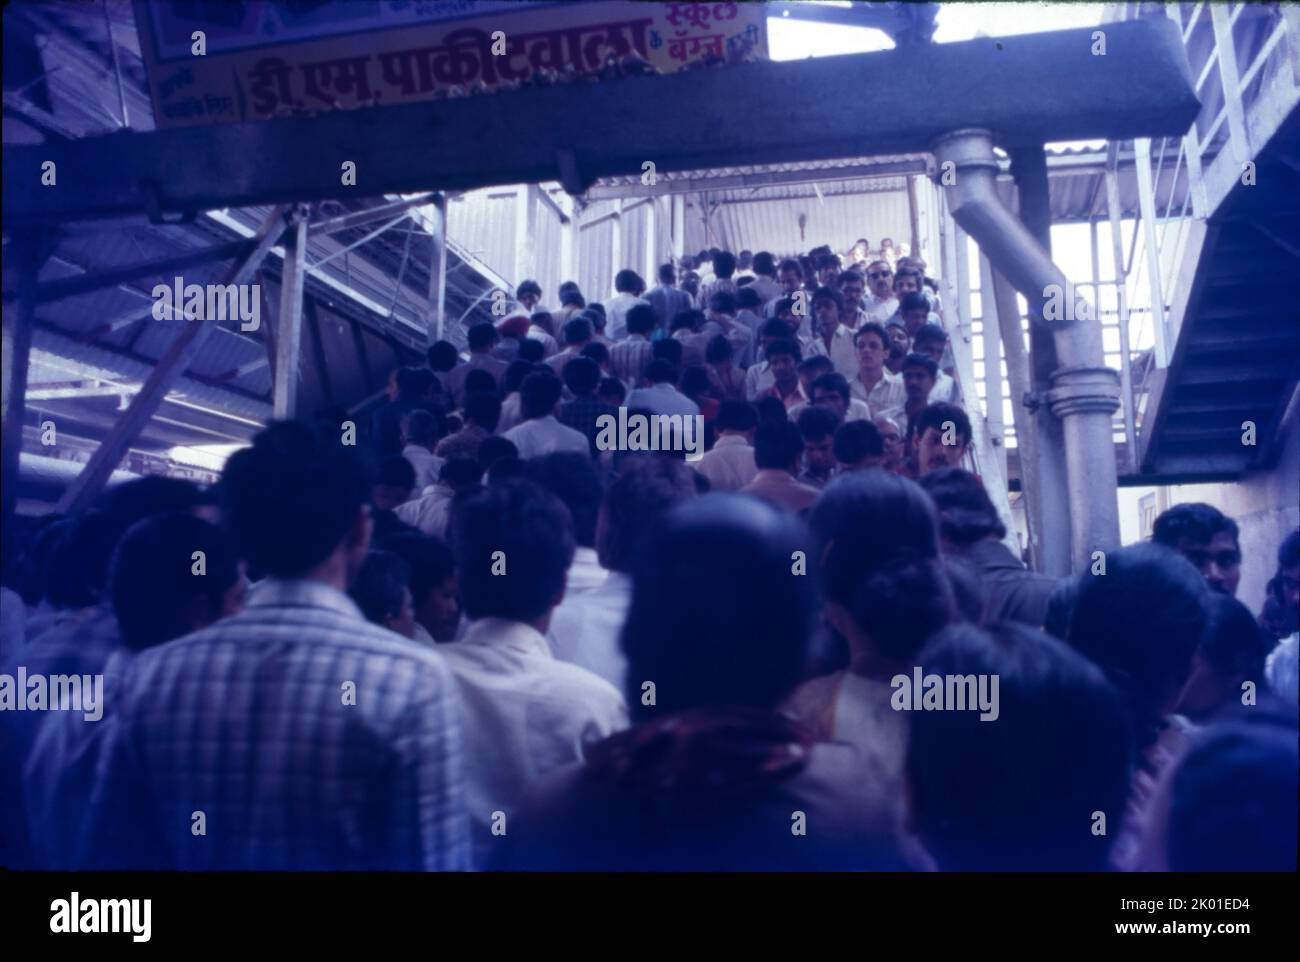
[(879, 302)]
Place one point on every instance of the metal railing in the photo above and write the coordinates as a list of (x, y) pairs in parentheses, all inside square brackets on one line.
[(1233, 50)]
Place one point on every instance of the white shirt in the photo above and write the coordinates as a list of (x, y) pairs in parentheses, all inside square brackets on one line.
[(945, 390), (511, 413), (879, 309), (757, 380), (587, 628), (524, 714), (429, 512), (427, 465), (550, 346), (586, 572), (616, 309), (857, 411), (887, 394), (544, 436), (767, 287), (662, 399), (841, 352), (729, 466)]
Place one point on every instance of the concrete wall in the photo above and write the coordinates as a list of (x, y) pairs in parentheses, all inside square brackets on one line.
[(1265, 505)]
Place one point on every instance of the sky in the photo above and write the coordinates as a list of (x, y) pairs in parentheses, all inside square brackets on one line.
[(793, 39)]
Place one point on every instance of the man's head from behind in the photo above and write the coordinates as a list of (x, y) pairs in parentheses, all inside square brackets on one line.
[(539, 394), (645, 488), (296, 502), (1207, 538), (173, 574), (513, 543), (966, 513), (984, 794)]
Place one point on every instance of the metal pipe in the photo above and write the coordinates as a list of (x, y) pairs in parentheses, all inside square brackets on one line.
[(1084, 392)]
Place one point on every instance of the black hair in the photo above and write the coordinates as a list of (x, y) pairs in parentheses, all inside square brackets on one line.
[(829, 294), (531, 350), (771, 409), (380, 585), (539, 394), (581, 375), (724, 302), (877, 538), (1197, 522), (1288, 552), (817, 422), (694, 381), (777, 445), (774, 327), (505, 468), (914, 301), (833, 381), (935, 415), (462, 473), (293, 496), (718, 349), (577, 331), (479, 381), (597, 351), (442, 356), (646, 486), (528, 287), (784, 345), (872, 327), (667, 274), (927, 333), (609, 386), (152, 578), (1140, 623), (736, 416), (668, 349), (429, 562), (747, 298), (764, 263), (699, 646), (572, 298), (856, 440), (517, 370), (513, 543), (483, 408), (575, 480), (966, 513), (924, 361), (724, 264), (640, 319), (661, 371), (1232, 804), (816, 362), (987, 795), (420, 426), (482, 336), (1234, 644), (790, 264), (685, 320), (628, 281)]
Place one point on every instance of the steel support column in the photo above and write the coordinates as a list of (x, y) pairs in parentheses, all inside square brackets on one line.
[(1076, 393), (437, 309), (19, 319), (288, 348), (526, 204)]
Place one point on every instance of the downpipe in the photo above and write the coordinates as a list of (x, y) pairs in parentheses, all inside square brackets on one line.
[(1085, 393)]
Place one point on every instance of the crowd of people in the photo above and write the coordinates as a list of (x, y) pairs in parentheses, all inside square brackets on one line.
[(466, 634)]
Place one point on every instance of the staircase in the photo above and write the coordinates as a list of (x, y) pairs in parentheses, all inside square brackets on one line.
[(1220, 385)]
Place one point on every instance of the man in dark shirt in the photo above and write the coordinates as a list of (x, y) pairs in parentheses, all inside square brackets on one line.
[(969, 528)]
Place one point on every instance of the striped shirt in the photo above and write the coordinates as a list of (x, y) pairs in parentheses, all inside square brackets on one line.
[(629, 358), (297, 734)]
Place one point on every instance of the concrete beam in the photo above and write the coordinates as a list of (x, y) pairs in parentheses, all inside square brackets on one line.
[(1028, 89)]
